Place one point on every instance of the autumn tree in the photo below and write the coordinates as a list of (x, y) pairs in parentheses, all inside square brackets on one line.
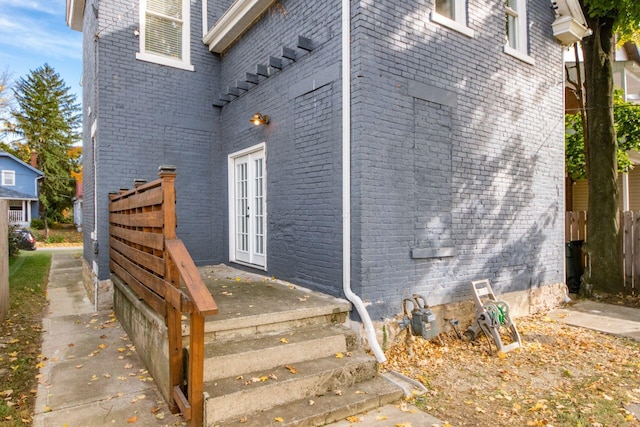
[(606, 19), (5, 104), (48, 119), (626, 116)]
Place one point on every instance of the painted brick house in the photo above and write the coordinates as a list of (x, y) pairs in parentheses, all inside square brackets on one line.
[(19, 186), (410, 149)]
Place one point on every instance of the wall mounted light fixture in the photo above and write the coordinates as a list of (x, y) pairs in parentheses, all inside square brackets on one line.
[(258, 119)]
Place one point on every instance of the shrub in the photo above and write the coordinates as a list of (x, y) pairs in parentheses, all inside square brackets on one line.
[(14, 240), (37, 223), (54, 239)]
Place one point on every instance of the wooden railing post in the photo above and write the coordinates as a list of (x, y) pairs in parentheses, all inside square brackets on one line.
[(174, 324), (196, 369)]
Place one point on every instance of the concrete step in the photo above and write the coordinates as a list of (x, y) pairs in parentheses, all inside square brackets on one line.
[(323, 409), (250, 308), (232, 398), (233, 358)]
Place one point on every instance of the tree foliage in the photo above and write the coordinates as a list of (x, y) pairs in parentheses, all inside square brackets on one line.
[(626, 116), (5, 104), (48, 121)]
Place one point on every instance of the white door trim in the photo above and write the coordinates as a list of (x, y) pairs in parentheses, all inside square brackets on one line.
[(252, 258)]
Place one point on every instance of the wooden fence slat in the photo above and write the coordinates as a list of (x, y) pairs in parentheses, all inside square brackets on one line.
[(137, 190), (152, 198), (636, 250), (582, 226), (150, 240), (142, 219), (627, 246), (154, 283), (156, 302), (575, 226), (145, 259)]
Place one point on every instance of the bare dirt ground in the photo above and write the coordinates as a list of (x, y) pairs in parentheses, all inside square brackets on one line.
[(563, 376)]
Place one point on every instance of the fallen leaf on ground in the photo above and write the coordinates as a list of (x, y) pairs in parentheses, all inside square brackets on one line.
[(291, 369)]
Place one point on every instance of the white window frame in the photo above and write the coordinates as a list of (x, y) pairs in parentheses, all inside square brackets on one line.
[(459, 21), (520, 40), (8, 178), (261, 262), (185, 62)]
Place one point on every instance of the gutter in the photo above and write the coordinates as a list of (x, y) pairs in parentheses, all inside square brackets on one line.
[(346, 185)]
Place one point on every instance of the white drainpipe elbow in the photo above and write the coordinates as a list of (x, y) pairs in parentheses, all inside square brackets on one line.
[(370, 332)]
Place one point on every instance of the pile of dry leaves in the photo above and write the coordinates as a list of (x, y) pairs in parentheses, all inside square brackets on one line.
[(563, 376)]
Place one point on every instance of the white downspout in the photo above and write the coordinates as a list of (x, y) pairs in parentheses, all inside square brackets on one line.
[(205, 13), (346, 185)]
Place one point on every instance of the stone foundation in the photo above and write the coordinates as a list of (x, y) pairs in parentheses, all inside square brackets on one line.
[(105, 288), (522, 303), (147, 331)]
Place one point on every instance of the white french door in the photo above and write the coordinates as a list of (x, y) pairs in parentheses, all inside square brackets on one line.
[(247, 206)]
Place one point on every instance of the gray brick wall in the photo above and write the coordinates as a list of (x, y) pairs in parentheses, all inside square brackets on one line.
[(302, 140), (149, 115), (465, 152), (457, 148)]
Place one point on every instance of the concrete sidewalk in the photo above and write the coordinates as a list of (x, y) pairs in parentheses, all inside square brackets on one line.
[(92, 375), (607, 318)]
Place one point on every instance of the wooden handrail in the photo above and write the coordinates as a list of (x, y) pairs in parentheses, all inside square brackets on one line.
[(196, 288), (201, 304)]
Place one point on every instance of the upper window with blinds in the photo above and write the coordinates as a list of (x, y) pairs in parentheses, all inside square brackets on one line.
[(164, 33)]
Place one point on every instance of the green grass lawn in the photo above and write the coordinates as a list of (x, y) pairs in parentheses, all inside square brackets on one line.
[(20, 337)]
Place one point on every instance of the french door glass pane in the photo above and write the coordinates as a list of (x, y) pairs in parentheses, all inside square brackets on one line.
[(259, 207), (242, 226)]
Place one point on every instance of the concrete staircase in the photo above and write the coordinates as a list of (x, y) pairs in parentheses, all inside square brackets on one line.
[(283, 357)]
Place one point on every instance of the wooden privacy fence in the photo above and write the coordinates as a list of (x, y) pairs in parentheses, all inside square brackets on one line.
[(146, 254), (576, 229)]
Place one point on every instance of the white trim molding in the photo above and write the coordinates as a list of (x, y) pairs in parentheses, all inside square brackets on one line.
[(75, 14), (253, 258), (517, 43), (518, 55), (450, 23), (570, 25), (235, 21)]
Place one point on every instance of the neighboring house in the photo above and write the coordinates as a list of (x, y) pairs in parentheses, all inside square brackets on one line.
[(19, 186), (626, 76), (416, 148), (77, 200)]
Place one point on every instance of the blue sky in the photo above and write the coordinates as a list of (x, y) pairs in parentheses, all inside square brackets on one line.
[(34, 32)]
